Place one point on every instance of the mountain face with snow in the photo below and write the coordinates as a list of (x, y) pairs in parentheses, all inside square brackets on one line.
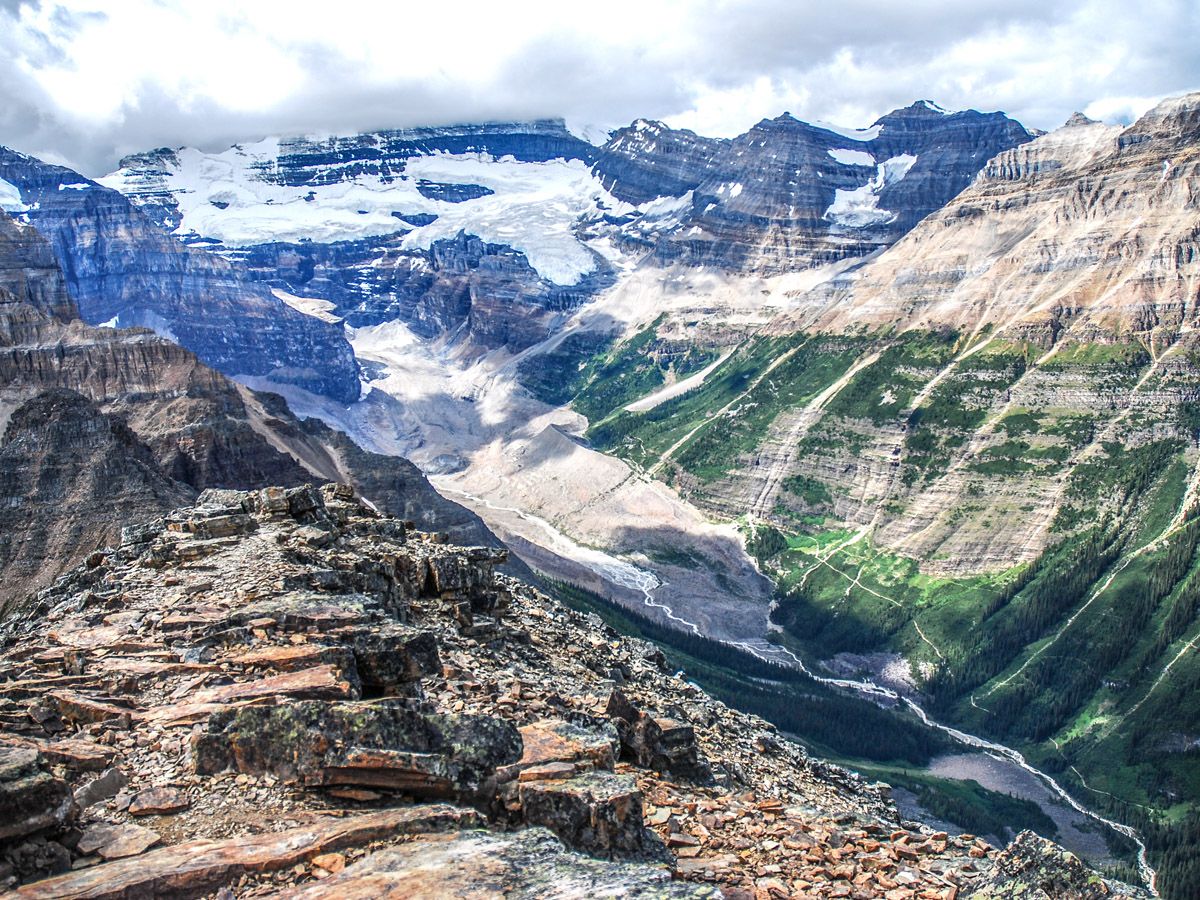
[(122, 270), (492, 233), (787, 195), (938, 376), (468, 230)]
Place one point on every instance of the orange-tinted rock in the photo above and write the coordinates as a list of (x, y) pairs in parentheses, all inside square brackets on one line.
[(196, 867), (158, 801)]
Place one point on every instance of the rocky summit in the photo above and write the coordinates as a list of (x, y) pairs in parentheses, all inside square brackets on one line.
[(284, 693)]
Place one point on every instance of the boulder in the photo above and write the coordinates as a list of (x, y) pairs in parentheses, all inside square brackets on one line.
[(390, 658), (106, 785), (158, 801), (116, 841), (595, 811), (661, 744)]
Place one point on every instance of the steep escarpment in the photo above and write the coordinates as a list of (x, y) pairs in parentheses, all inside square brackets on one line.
[(101, 420), (121, 269), (283, 693), (59, 452)]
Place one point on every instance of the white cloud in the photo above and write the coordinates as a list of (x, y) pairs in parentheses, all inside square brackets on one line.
[(88, 81)]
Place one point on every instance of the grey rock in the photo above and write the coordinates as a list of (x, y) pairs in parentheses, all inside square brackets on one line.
[(107, 785)]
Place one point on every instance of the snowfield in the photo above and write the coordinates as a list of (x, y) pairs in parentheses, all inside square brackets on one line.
[(852, 157), (859, 208), (533, 207), (10, 198)]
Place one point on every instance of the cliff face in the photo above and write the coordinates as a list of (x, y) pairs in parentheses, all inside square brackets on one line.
[(463, 231), (1091, 228), (102, 420), (787, 195), (60, 453), (122, 269), (284, 691)]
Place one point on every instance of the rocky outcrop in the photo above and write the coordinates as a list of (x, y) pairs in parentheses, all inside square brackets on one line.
[(1033, 868), (122, 269), (217, 657)]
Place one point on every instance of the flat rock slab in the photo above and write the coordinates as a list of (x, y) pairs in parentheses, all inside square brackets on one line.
[(554, 740), (317, 683), (76, 754), (530, 864), (117, 841), (78, 708), (197, 867), (158, 801)]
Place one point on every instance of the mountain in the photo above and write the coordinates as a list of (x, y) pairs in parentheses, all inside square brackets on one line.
[(490, 234), (788, 195), (459, 230), (285, 692), (905, 413), (103, 425), (121, 270)]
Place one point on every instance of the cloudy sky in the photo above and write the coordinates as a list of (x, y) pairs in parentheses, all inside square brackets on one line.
[(84, 82)]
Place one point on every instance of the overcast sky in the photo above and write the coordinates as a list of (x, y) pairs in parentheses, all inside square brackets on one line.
[(85, 82)]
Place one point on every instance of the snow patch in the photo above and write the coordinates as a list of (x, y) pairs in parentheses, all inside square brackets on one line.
[(10, 198), (595, 135), (859, 208), (310, 306), (77, 186), (111, 323), (855, 134), (852, 157)]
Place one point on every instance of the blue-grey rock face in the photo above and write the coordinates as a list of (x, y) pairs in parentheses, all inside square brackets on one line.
[(123, 270), (786, 194)]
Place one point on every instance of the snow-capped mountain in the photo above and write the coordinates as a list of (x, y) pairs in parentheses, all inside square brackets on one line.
[(491, 232)]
